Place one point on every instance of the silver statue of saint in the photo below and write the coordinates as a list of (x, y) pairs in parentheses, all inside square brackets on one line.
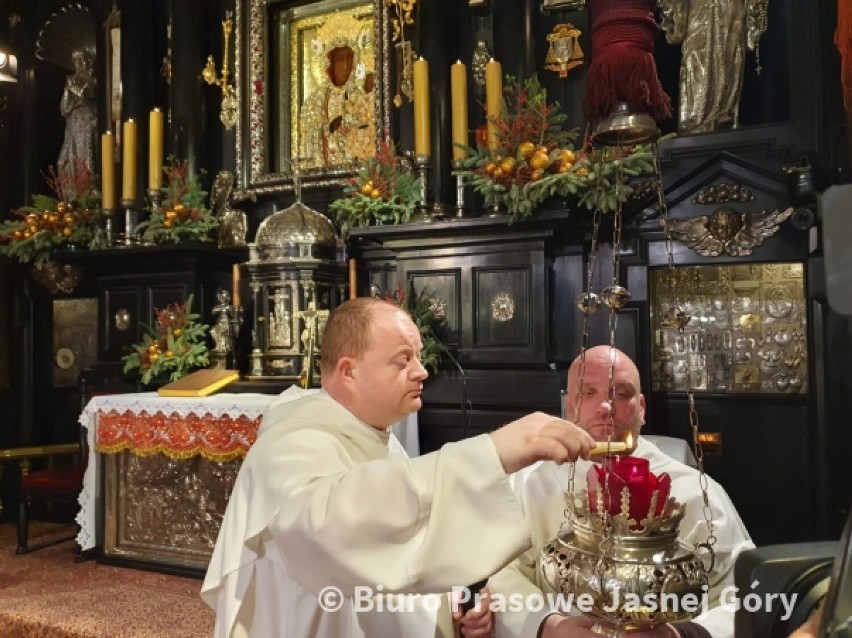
[(714, 36)]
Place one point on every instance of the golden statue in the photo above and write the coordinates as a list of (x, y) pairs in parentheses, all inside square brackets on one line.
[(713, 35)]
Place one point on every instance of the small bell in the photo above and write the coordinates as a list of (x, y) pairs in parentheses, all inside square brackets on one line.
[(623, 128), (588, 303), (615, 296)]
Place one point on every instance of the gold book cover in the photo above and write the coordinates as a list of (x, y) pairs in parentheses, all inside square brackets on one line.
[(199, 383)]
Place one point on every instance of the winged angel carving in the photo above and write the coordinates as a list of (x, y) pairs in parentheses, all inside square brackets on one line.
[(727, 230)]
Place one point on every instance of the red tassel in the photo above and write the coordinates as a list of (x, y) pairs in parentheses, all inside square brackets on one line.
[(625, 74), (622, 67)]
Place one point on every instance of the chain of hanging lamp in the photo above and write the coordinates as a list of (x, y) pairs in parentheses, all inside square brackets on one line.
[(615, 296), (677, 317)]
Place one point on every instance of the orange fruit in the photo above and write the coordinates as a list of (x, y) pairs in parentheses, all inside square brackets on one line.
[(566, 156), (539, 160), (526, 149)]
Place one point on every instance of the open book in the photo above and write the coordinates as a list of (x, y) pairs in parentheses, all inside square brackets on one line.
[(199, 383)]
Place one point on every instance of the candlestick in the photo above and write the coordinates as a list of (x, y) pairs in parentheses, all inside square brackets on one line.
[(493, 100), (131, 220), (461, 211), (458, 89), (128, 183), (235, 277), (424, 212), (155, 149), (155, 203), (421, 108), (353, 279)]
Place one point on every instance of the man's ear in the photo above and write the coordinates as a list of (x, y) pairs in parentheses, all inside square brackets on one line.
[(346, 368)]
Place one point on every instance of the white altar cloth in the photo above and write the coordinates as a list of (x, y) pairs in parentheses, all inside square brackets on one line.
[(250, 405)]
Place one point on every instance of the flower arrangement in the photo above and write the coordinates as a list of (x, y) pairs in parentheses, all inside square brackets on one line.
[(536, 159), (183, 215), (70, 218), (385, 190), (175, 346), (429, 316)]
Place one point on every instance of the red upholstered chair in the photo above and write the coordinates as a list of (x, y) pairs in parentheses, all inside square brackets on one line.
[(63, 483), (60, 483)]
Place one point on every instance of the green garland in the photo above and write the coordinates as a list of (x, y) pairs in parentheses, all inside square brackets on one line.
[(536, 160), (183, 215), (383, 191), (175, 346), (50, 223)]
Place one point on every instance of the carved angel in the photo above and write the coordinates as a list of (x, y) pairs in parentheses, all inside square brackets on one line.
[(727, 230)]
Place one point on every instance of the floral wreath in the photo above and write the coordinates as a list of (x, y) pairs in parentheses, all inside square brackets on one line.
[(536, 159)]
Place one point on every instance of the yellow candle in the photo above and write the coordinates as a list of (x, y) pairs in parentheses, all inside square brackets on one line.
[(493, 100), (235, 295), (128, 183), (108, 171), (458, 89), (155, 149), (421, 107)]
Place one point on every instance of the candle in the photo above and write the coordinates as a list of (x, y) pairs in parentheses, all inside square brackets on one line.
[(604, 448), (353, 279), (108, 171), (421, 107), (128, 182), (493, 100), (235, 276), (155, 150), (458, 89)]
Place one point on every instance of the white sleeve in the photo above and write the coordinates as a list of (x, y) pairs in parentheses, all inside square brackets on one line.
[(419, 525)]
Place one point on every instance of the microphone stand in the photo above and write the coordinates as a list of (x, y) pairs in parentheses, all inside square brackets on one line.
[(465, 404), (474, 589)]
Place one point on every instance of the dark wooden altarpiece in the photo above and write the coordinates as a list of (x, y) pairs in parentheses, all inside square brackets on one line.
[(782, 454)]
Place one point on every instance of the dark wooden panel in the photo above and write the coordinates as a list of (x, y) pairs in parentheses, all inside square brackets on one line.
[(445, 287), (114, 299), (765, 460), (503, 307)]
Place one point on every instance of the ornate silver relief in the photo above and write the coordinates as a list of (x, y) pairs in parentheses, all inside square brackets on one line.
[(503, 307), (723, 193)]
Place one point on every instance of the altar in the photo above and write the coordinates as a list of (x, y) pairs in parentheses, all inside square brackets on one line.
[(161, 469)]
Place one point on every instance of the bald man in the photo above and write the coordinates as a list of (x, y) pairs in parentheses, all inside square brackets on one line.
[(540, 489)]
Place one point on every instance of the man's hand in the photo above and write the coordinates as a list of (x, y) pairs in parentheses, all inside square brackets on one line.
[(556, 626), (810, 628), (477, 622), (538, 437)]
